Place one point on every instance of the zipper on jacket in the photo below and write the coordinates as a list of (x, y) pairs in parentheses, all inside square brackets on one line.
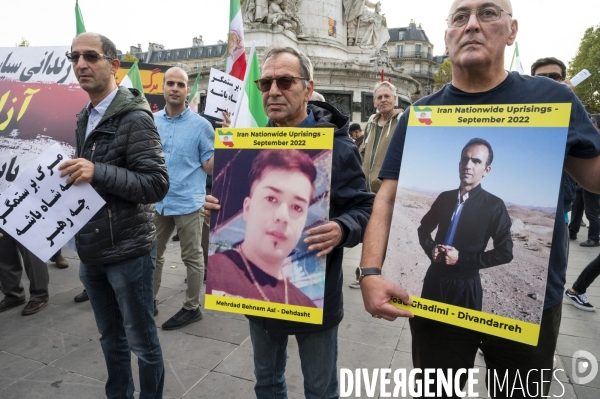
[(112, 240), (93, 151)]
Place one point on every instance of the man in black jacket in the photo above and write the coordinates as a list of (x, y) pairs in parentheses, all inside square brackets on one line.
[(287, 84), (120, 155), (465, 220)]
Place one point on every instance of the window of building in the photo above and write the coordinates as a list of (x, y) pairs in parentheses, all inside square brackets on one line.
[(205, 64), (401, 35), (216, 64), (399, 50), (417, 50), (398, 65), (418, 68), (209, 51), (197, 65)]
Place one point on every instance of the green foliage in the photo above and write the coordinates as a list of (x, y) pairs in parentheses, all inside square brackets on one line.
[(128, 57), (443, 75), (24, 43), (588, 57)]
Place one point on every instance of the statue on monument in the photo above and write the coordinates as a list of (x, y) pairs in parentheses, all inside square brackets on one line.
[(366, 28), (281, 14)]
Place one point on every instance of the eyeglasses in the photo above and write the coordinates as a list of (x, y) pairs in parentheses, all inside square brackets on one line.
[(283, 83), (484, 14), (89, 56), (552, 75)]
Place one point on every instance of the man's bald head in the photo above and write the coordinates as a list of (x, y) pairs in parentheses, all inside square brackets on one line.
[(506, 5), (176, 71), (175, 90)]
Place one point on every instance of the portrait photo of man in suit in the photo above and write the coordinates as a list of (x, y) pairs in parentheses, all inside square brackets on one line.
[(466, 219)]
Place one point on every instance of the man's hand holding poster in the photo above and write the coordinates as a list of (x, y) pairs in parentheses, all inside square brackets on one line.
[(273, 185), (474, 214)]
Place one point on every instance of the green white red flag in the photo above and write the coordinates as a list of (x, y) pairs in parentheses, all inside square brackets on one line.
[(80, 27), (236, 49), (515, 64), (250, 111), (133, 78)]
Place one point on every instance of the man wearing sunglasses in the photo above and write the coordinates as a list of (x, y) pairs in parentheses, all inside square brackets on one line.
[(287, 84), (476, 37), (585, 201), (120, 154), (552, 68)]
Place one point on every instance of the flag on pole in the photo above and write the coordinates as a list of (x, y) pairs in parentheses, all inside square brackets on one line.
[(515, 64), (236, 50), (250, 111), (78, 19), (194, 89), (133, 78)]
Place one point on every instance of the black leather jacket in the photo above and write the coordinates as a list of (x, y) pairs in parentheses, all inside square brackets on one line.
[(130, 175)]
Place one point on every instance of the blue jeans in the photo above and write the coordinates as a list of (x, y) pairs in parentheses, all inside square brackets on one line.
[(121, 295), (318, 358)]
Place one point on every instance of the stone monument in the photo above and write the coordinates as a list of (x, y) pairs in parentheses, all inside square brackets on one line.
[(344, 40)]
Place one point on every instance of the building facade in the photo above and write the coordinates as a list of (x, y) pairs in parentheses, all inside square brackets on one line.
[(410, 49)]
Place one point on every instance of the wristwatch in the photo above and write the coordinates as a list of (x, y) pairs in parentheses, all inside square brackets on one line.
[(366, 271)]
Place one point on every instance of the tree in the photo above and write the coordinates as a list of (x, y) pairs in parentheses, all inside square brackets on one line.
[(24, 43), (588, 57), (443, 75), (128, 57)]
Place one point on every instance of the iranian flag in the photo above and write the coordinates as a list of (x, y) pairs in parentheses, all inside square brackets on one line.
[(79, 25), (236, 50), (515, 64), (423, 115), (250, 111), (133, 78)]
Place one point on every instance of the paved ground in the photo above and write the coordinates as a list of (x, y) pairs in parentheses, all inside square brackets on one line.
[(56, 353)]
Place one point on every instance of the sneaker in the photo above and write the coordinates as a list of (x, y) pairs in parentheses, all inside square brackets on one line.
[(155, 308), (175, 237), (182, 319), (355, 284), (580, 301), (60, 261), (590, 243)]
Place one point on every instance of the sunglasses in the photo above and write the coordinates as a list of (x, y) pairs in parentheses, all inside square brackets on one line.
[(89, 56), (283, 83), (553, 75)]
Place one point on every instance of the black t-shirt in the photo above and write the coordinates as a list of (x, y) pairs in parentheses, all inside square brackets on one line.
[(583, 141)]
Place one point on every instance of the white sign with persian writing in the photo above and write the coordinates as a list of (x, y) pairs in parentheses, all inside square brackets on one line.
[(222, 94), (42, 211)]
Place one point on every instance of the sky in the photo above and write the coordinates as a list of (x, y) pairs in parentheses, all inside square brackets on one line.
[(547, 27), (522, 173)]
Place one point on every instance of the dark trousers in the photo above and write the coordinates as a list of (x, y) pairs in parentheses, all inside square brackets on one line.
[(443, 346), (587, 276), (588, 202), (11, 272)]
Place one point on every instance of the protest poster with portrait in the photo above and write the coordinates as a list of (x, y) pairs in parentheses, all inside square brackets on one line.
[(475, 212), (273, 185)]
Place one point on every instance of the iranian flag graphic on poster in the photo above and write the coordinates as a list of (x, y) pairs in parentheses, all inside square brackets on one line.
[(423, 115)]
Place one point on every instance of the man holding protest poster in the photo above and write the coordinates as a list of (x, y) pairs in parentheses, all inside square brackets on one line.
[(120, 155), (287, 84), (476, 37)]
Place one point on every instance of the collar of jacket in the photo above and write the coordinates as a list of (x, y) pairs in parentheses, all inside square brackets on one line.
[(326, 115)]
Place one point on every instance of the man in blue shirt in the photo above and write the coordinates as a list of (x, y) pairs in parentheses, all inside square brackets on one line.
[(188, 144)]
